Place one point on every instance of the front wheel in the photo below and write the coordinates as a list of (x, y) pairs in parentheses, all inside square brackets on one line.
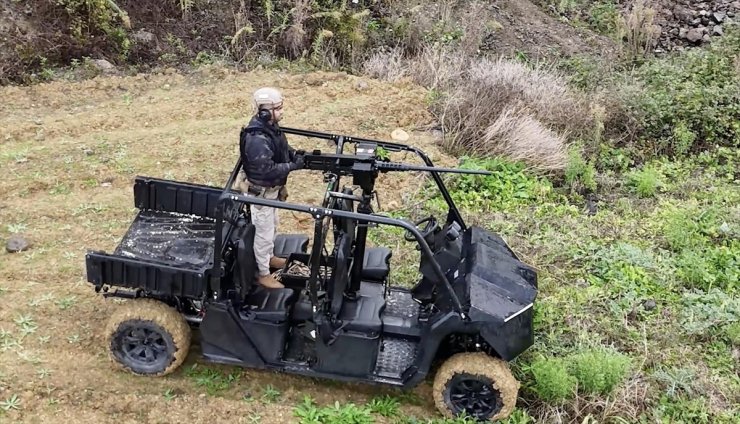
[(476, 385), (148, 337)]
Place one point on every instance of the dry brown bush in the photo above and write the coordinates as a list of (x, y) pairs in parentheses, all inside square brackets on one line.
[(387, 65), (639, 29), (504, 107)]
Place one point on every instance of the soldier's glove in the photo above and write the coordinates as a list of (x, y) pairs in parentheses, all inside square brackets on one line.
[(298, 162), (283, 194)]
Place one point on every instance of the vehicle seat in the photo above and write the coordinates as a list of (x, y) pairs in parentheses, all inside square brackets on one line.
[(363, 314), (267, 304), (285, 244), (376, 264), (270, 304)]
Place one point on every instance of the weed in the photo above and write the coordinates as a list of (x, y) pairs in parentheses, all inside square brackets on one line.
[(578, 172), (645, 182), (169, 394), (386, 406), (599, 371), (271, 394), (214, 381), (17, 228), (552, 382), (66, 302), (13, 402), (676, 381), (308, 412)]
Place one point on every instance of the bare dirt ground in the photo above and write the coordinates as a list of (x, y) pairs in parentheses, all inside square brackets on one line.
[(69, 153)]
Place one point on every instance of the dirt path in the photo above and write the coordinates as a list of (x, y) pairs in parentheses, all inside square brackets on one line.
[(69, 153)]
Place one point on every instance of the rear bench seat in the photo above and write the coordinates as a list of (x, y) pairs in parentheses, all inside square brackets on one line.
[(375, 266)]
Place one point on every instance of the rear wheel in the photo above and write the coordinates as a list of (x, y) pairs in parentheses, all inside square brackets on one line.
[(477, 385), (148, 337)]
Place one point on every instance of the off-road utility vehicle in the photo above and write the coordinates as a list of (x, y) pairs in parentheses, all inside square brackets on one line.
[(187, 264)]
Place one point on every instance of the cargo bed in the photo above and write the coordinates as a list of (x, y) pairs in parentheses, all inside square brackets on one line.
[(169, 247)]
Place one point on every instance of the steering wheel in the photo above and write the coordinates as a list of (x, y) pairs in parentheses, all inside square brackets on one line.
[(430, 224)]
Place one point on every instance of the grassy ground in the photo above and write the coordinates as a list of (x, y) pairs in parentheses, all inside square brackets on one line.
[(637, 317)]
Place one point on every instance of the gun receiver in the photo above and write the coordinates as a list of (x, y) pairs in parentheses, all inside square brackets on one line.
[(342, 164)]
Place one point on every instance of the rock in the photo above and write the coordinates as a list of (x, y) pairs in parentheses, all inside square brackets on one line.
[(104, 66), (703, 13), (683, 13), (707, 38), (717, 30), (399, 135), (695, 34), (88, 152), (649, 305), (719, 16), (682, 32), (143, 37), (437, 135), (40, 135), (17, 244), (361, 85)]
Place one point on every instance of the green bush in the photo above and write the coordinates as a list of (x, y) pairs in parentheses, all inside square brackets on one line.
[(707, 314), (552, 382), (645, 182), (690, 101), (509, 186), (599, 371), (578, 172)]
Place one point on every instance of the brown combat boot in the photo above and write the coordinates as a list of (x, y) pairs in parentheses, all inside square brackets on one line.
[(277, 262), (269, 281)]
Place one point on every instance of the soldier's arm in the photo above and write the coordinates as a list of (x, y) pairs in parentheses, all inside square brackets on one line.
[(260, 158)]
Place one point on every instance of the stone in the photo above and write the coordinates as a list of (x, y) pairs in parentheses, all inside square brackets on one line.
[(399, 135), (104, 66), (694, 35), (649, 305), (719, 16), (143, 37), (683, 13), (361, 85), (17, 244), (717, 30)]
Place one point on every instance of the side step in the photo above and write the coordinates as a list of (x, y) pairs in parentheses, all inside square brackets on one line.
[(395, 356)]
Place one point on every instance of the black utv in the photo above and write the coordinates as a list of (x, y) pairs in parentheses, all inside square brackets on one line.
[(186, 263)]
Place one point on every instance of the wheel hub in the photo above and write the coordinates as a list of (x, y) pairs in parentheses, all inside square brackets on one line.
[(475, 396), (144, 345)]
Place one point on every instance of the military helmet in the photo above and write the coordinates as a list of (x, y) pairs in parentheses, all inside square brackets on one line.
[(268, 98)]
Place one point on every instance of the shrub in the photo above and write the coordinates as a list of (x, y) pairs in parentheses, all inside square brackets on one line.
[(509, 186), (599, 371), (504, 107), (578, 172), (645, 182), (706, 314), (552, 382), (687, 102)]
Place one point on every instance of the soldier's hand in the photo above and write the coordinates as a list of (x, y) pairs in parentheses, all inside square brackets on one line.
[(298, 162)]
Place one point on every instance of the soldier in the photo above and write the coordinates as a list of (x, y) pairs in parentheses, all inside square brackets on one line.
[(267, 160)]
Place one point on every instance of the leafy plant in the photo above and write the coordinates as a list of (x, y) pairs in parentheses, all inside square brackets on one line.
[(13, 402), (386, 406), (599, 371), (309, 413), (552, 382), (645, 182)]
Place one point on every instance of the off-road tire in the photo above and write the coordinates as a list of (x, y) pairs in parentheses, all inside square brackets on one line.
[(155, 317), (476, 365)]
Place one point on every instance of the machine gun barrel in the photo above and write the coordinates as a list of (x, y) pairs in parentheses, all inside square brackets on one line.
[(395, 166)]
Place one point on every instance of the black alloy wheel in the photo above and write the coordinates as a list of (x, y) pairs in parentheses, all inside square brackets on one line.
[(143, 346), (473, 395)]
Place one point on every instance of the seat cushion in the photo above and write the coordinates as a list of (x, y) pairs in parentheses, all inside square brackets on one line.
[(270, 304), (376, 264), (362, 314), (285, 244)]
